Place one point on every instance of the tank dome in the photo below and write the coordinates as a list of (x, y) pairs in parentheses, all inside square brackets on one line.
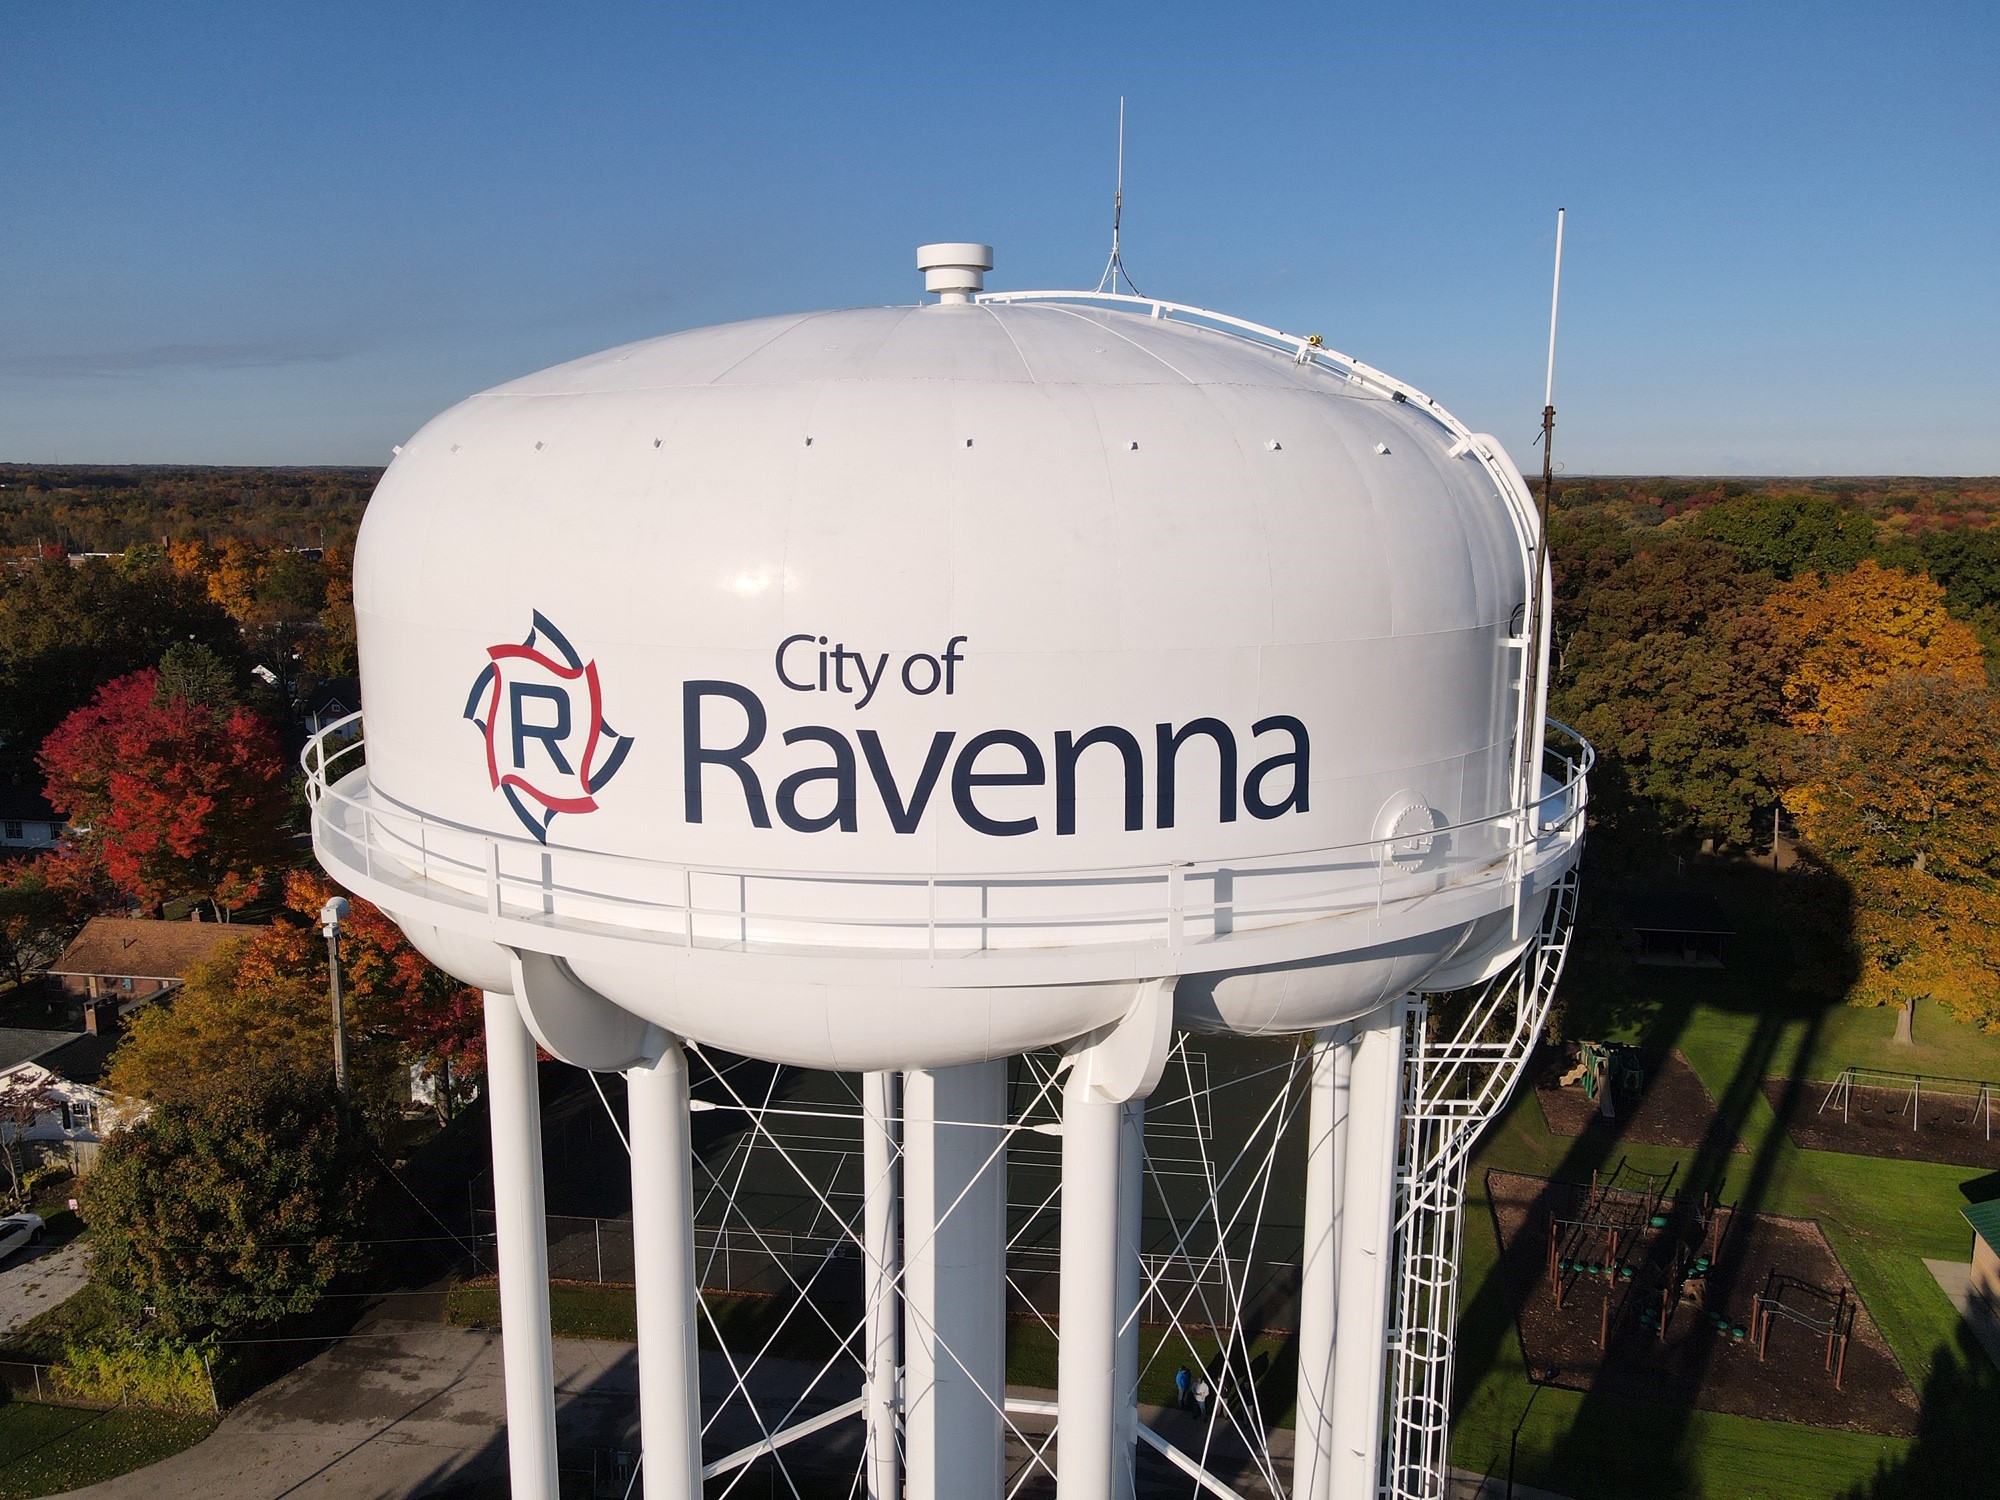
[(1033, 647)]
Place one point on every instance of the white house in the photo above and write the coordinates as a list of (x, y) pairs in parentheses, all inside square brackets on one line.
[(26, 820)]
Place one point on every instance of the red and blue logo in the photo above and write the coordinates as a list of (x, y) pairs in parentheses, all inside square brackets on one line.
[(548, 748)]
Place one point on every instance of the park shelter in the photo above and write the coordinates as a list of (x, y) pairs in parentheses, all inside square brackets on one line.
[(1679, 929), (1985, 1221)]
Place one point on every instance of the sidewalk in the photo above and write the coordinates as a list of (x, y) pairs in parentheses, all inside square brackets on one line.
[(391, 1413)]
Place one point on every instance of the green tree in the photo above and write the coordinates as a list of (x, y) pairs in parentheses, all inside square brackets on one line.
[(228, 1207), (1966, 564), (1669, 666), (67, 631), (193, 673), (1784, 535)]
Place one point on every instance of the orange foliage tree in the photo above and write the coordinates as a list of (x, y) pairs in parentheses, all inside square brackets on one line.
[(263, 1003), (1906, 805), (1846, 635), (392, 991)]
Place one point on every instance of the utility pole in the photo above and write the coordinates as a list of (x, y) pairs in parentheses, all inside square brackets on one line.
[(329, 919)]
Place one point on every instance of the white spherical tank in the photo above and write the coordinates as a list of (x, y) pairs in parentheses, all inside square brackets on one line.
[(902, 687)]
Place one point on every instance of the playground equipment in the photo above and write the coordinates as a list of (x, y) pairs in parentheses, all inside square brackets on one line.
[(899, 691), (1825, 1313), (1695, 1241), (1604, 1069), (1596, 1237), (1972, 1098)]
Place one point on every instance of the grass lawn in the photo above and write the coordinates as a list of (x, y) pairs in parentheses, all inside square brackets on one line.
[(45, 1450), (40, 1340), (1882, 1217), (586, 1310)]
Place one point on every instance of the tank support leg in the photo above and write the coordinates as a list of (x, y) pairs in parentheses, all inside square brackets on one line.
[(955, 1282), (1368, 1210), (1097, 1358), (663, 1256), (1086, 1358), (521, 1228), (1319, 1286), (882, 1265), (1131, 1291)]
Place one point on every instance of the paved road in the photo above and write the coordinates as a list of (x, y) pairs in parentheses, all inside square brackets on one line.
[(416, 1410), (393, 1413), (36, 1279)]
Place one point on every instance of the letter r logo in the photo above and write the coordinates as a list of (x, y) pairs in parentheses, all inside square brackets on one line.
[(548, 747)]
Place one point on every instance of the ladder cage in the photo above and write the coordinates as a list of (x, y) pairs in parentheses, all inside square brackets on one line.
[(1454, 1085)]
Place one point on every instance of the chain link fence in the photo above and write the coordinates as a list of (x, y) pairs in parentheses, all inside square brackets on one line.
[(771, 1262)]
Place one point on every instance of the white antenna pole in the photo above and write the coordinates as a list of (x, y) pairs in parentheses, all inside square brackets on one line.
[(1555, 297), (1535, 677), (1115, 267)]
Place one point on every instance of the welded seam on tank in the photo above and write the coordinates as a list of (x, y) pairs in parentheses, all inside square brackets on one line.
[(792, 327), (1001, 323), (1071, 312)]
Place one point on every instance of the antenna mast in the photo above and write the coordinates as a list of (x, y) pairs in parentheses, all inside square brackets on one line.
[(1549, 390), (1536, 674), (1115, 267)]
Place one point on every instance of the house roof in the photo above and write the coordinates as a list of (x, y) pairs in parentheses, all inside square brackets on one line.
[(81, 1059), (19, 1045), (1985, 1221), (341, 692), (144, 948), (25, 804)]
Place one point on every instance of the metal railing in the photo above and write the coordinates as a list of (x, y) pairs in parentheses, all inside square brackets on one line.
[(358, 827)]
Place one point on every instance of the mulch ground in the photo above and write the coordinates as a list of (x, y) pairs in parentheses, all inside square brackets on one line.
[(1696, 1363), (1950, 1128), (1673, 1110)]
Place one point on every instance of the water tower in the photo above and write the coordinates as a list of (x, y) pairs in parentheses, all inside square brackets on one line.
[(897, 690)]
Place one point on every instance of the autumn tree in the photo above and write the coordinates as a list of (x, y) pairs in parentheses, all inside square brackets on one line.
[(393, 993), (175, 798), (1668, 664), (330, 651), (44, 902), (1847, 635), (216, 1027), (67, 631), (1906, 805), (264, 1002), (229, 1205)]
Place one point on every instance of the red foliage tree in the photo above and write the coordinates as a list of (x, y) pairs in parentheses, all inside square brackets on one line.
[(174, 798)]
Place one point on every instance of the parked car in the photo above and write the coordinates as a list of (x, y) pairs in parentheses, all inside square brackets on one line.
[(17, 1230)]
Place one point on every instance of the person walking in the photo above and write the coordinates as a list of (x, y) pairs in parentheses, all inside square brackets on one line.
[(1183, 1389), (1201, 1394)]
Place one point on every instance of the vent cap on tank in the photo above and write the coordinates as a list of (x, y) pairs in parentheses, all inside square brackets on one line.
[(954, 269)]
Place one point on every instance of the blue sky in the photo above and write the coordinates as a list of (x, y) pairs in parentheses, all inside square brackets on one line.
[(291, 234)]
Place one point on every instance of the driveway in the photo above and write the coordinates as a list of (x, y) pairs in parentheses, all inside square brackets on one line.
[(36, 1279)]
